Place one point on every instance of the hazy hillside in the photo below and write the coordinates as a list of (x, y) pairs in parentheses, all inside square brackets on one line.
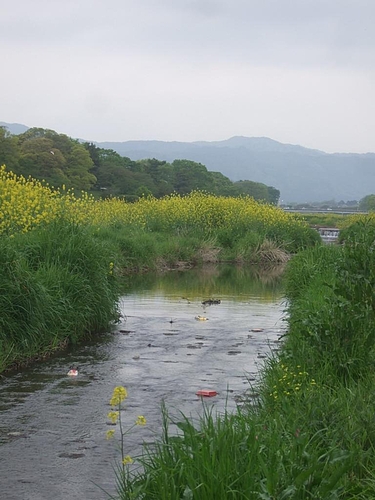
[(301, 174), (14, 128)]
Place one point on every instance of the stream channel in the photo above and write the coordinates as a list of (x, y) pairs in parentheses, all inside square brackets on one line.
[(53, 427)]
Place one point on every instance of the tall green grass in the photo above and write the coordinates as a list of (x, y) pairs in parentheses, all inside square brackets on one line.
[(332, 306), (253, 454), (59, 281), (140, 250), (56, 286)]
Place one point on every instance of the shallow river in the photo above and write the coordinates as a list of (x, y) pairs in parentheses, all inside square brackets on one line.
[(52, 427)]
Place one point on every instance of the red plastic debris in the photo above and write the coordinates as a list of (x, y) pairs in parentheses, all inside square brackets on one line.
[(206, 393)]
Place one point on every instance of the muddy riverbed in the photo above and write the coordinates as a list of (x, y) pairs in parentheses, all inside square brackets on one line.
[(52, 427)]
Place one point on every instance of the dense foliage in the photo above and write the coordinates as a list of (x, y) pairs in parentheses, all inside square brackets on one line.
[(367, 203), (26, 203), (59, 160), (56, 285)]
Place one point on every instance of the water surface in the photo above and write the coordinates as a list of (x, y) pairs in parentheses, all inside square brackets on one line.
[(52, 427)]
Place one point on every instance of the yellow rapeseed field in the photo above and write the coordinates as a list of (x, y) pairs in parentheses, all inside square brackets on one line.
[(27, 203), (358, 218)]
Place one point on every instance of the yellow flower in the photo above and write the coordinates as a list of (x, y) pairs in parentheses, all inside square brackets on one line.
[(127, 460), (113, 416), (141, 420), (109, 434), (119, 394)]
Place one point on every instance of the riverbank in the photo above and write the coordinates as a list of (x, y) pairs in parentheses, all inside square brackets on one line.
[(62, 255), (60, 283), (57, 286), (311, 433), (63, 420)]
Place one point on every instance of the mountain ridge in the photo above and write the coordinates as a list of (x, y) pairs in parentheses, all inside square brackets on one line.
[(301, 174)]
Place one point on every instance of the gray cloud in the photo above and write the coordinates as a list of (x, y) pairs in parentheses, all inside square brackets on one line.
[(295, 70), (272, 30)]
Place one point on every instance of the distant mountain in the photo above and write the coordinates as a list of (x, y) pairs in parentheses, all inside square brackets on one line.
[(301, 174), (14, 128)]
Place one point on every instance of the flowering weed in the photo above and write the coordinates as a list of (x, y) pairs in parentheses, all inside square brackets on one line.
[(118, 397)]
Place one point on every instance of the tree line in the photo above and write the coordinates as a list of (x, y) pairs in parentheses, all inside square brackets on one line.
[(60, 160)]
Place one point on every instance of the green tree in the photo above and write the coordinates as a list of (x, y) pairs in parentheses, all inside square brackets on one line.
[(222, 186), (190, 175), (9, 153), (78, 168), (166, 180), (94, 153), (367, 203), (257, 190), (151, 166), (56, 158), (41, 160), (155, 175), (33, 133), (273, 195), (143, 191), (114, 173)]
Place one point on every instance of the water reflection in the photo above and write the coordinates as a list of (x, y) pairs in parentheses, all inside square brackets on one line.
[(52, 428), (213, 281)]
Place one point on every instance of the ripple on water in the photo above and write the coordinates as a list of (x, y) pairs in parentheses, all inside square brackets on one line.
[(53, 428)]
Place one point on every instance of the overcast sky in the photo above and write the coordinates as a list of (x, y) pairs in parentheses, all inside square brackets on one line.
[(297, 71)]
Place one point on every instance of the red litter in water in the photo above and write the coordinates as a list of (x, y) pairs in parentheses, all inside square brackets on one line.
[(206, 393)]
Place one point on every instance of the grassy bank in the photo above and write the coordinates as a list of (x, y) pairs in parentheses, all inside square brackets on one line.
[(325, 219), (61, 253), (56, 286), (311, 433)]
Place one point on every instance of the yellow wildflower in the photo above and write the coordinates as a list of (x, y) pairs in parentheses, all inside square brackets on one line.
[(109, 434), (127, 460), (119, 394), (113, 416), (141, 420)]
